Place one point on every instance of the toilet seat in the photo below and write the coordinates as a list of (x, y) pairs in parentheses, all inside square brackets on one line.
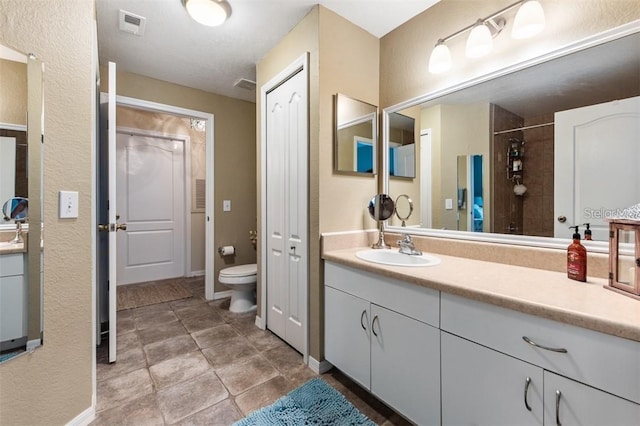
[(242, 274)]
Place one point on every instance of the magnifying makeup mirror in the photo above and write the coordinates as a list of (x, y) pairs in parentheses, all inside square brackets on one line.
[(404, 208), (381, 207)]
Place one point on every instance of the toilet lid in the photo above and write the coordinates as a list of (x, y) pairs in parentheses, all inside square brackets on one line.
[(240, 271)]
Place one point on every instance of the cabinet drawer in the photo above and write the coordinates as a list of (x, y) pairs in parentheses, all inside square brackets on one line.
[(414, 301), (11, 264), (606, 362)]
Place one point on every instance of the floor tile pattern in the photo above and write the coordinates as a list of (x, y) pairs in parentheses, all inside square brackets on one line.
[(192, 362)]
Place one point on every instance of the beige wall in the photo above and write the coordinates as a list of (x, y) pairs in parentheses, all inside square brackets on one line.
[(404, 53), (336, 202), (13, 99), (53, 384), (465, 131), (234, 169)]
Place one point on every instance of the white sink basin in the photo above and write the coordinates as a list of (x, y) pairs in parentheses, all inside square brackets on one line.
[(395, 258)]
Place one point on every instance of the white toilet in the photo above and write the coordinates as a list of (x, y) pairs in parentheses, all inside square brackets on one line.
[(241, 280)]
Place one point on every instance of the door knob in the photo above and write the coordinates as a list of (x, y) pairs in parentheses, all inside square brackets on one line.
[(121, 226), (562, 219), (103, 227)]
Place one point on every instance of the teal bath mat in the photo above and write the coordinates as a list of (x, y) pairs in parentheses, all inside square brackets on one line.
[(314, 403)]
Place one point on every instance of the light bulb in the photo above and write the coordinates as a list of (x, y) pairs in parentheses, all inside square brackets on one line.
[(440, 60), (529, 20), (480, 41)]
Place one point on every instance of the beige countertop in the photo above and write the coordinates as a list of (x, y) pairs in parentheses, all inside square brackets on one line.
[(537, 292), (10, 248)]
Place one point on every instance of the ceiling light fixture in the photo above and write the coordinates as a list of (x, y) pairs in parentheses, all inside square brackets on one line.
[(529, 21), (208, 12)]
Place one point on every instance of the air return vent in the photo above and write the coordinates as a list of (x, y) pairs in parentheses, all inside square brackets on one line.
[(244, 83), (131, 23)]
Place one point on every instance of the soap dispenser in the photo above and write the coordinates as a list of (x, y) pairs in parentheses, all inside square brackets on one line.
[(576, 258), (587, 232)]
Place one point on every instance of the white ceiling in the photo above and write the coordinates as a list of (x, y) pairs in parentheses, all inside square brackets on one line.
[(177, 49)]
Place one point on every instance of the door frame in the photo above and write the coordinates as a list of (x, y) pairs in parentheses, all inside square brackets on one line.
[(301, 64), (426, 157), (186, 164), (209, 154)]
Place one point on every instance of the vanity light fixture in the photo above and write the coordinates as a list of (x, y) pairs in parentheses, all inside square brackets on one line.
[(440, 60), (208, 12), (528, 22), (480, 41)]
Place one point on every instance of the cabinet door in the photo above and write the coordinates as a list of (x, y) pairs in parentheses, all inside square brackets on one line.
[(405, 365), (12, 311), (346, 334), (483, 387), (579, 404)]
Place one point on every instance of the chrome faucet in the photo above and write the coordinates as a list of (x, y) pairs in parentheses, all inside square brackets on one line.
[(407, 247)]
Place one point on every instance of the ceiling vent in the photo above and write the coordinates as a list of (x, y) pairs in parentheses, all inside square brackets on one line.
[(131, 23), (244, 83)]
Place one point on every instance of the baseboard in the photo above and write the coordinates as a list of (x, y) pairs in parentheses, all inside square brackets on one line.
[(196, 273), (32, 344), (319, 367), (221, 294), (84, 418), (260, 323)]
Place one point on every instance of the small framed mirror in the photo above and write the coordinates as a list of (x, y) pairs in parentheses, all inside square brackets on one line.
[(355, 136)]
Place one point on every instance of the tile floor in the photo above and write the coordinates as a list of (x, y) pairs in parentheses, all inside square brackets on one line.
[(192, 362)]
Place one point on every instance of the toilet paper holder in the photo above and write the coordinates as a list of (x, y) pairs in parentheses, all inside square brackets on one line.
[(226, 250)]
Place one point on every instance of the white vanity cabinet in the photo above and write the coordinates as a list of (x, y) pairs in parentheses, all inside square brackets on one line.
[(12, 299), (597, 375), (383, 333), (484, 387), (568, 402)]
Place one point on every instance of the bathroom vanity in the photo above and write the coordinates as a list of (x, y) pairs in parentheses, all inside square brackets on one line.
[(477, 342), (13, 299)]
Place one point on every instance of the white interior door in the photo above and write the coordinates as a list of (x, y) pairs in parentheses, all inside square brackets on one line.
[(405, 163), (151, 201), (287, 241), (592, 179)]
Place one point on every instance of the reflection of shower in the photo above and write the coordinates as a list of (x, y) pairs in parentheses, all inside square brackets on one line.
[(515, 165)]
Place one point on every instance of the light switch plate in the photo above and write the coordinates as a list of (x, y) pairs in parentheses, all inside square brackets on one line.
[(226, 205), (68, 207), (448, 203)]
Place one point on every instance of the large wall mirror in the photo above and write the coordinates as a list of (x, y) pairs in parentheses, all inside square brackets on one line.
[(21, 242), (519, 156), (356, 136)]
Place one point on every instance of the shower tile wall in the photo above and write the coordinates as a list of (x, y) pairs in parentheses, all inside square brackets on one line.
[(531, 214), (507, 214), (538, 201)]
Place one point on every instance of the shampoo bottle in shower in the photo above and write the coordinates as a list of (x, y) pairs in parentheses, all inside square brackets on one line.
[(576, 258)]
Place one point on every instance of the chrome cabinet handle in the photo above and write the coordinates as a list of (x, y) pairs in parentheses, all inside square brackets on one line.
[(526, 391), (372, 326), (361, 317), (558, 394), (532, 343)]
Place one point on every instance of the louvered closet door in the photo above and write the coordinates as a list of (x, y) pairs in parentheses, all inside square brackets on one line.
[(287, 177)]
